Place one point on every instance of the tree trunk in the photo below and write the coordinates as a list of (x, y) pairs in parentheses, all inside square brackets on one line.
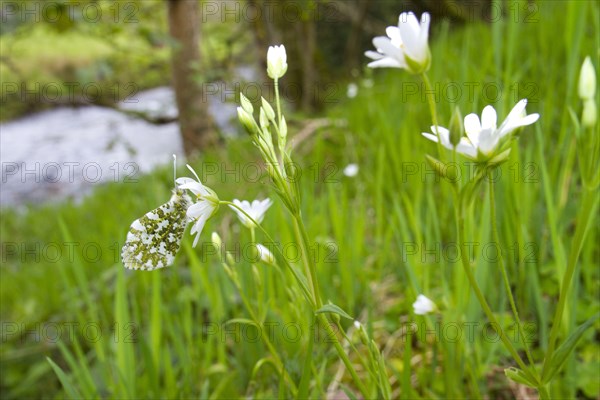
[(194, 119)]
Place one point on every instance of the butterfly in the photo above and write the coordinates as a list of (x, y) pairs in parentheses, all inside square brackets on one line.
[(154, 239)]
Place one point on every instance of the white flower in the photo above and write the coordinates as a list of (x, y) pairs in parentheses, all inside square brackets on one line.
[(207, 203), (265, 254), (587, 80), (247, 121), (256, 210), (423, 305), (276, 62), (589, 116), (351, 170), (405, 45), (483, 137), (352, 90)]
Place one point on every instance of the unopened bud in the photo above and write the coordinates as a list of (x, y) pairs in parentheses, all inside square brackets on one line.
[(456, 127), (263, 119), (283, 129), (587, 80), (268, 109), (246, 104), (247, 121), (276, 62)]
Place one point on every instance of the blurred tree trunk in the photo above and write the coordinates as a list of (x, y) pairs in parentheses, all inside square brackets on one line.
[(353, 43), (194, 119), (306, 35)]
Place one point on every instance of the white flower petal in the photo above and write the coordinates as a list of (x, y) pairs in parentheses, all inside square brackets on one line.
[(374, 55), (466, 148), (424, 31), (409, 30), (385, 46), (386, 62), (423, 305), (393, 33), (472, 128), (351, 170), (517, 123), (488, 118)]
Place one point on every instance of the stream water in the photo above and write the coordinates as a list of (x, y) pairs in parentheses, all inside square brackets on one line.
[(66, 152)]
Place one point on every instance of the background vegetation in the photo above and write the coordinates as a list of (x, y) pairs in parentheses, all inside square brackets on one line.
[(156, 329)]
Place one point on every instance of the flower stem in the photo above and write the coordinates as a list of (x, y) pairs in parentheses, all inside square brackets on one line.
[(305, 290), (314, 297), (586, 215), (342, 354), (432, 109), (277, 102), (265, 338), (256, 273), (311, 270), (479, 294), (511, 299)]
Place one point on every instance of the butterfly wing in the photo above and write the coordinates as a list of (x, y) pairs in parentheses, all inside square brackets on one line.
[(154, 239)]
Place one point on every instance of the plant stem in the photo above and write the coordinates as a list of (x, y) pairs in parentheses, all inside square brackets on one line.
[(340, 349), (305, 290), (482, 301), (586, 215), (511, 299), (277, 102), (543, 391), (432, 109), (311, 270), (265, 338)]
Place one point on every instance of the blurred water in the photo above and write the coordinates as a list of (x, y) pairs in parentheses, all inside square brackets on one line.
[(65, 152)]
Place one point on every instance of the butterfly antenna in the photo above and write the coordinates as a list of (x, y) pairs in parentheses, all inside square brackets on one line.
[(175, 170)]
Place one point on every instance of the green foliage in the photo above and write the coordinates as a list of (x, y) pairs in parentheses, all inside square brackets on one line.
[(165, 333)]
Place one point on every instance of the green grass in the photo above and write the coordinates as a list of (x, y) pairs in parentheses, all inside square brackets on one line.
[(158, 329)]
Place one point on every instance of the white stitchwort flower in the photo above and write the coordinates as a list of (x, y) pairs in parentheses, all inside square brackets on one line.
[(351, 170), (265, 254), (587, 80), (587, 93), (256, 210), (423, 305), (483, 136), (405, 45), (352, 90), (207, 203), (276, 62)]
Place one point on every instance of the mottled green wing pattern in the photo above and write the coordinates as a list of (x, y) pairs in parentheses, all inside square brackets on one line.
[(154, 239)]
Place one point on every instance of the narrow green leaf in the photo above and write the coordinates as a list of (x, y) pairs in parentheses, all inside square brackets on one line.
[(307, 369), (242, 321), (565, 349), (518, 376), (72, 393), (333, 309)]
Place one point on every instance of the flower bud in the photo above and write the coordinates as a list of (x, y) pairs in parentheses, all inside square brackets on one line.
[(265, 254), (589, 116), (247, 121), (456, 127), (268, 109), (283, 129), (246, 104), (364, 338), (587, 80), (263, 119), (276, 62), (216, 240), (445, 171)]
